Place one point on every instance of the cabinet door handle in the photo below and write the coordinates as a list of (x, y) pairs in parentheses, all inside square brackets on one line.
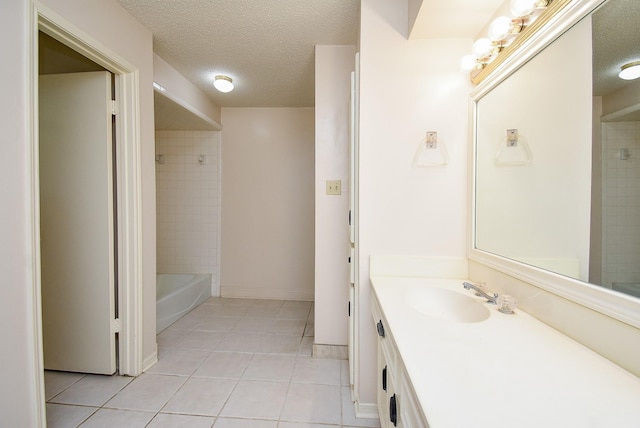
[(380, 329), (384, 378), (393, 410)]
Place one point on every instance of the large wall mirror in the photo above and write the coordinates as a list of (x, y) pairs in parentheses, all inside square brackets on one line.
[(556, 195)]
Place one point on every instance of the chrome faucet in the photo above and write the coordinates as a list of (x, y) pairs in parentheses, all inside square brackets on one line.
[(480, 292)]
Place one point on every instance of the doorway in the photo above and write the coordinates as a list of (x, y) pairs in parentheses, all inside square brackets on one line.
[(127, 202), (128, 191)]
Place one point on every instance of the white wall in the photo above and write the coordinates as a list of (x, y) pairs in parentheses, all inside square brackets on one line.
[(333, 85), (267, 203), (404, 210), (108, 24), (187, 205)]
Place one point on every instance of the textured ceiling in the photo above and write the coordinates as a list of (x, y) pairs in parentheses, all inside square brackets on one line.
[(266, 46), (616, 41)]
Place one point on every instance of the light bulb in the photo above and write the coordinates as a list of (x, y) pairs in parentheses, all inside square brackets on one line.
[(522, 7), (468, 62), (482, 48), (500, 28)]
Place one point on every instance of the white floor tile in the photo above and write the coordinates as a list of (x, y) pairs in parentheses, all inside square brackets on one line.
[(294, 310), (65, 416), (292, 327), (55, 382), (165, 420), (148, 392), (243, 423), (317, 370), (92, 390), (270, 367), (239, 301), (109, 418), (345, 379), (231, 310), (312, 403), (203, 340), (280, 344), (306, 347), (170, 337), (175, 361), (304, 425), (201, 396), (187, 322), (224, 365), (256, 399), (230, 363), (207, 309), (241, 342), (216, 323), (265, 309), (309, 329), (254, 325)]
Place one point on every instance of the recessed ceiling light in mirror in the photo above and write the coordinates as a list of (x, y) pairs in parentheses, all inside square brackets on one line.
[(630, 71)]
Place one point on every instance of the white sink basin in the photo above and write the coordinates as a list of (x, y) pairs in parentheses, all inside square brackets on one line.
[(446, 305)]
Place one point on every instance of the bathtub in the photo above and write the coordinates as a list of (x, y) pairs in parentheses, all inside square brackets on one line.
[(177, 294)]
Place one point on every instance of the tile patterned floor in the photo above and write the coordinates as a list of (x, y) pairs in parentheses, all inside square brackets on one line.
[(229, 363)]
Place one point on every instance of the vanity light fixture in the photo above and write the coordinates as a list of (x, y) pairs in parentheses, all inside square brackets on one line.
[(630, 71), (223, 83), (501, 33)]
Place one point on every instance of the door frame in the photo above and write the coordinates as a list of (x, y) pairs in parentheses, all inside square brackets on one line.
[(128, 191)]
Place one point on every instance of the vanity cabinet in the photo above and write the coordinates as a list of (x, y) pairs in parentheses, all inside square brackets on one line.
[(397, 404)]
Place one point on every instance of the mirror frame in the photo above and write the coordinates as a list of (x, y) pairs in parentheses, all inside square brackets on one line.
[(616, 305)]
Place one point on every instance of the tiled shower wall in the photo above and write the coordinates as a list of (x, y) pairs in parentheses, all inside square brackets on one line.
[(621, 200), (187, 202)]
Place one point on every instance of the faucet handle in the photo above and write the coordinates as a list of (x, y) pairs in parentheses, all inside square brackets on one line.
[(506, 304)]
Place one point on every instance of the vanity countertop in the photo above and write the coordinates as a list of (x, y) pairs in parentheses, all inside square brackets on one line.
[(505, 371)]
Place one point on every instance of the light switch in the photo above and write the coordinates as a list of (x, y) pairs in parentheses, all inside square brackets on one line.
[(333, 187)]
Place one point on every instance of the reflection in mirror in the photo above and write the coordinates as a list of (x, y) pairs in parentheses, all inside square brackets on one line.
[(574, 209)]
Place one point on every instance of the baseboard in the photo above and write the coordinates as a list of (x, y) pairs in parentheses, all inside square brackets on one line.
[(339, 352), (366, 410), (262, 293), (150, 361)]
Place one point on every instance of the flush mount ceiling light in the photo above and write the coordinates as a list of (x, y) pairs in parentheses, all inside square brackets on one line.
[(223, 83), (630, 71)]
